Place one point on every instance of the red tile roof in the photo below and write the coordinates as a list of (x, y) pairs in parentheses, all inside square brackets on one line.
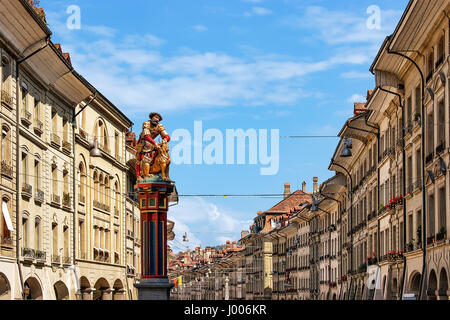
[(293, 200)]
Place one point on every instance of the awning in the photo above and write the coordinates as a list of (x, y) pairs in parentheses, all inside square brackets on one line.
[(416, 23), (358, 128), (379, 102), (56, 72), (334, 185), (32, 29), (7, 217), (410, 34)]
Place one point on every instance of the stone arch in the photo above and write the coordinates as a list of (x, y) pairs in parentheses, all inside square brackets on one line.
[(119, 292), (61, 291), (86, 292), (84, 283), (32, 289), (432, 285), (414, 283), (5, 288), (102, 137), (102, 289), (82, 174), (443, 284)]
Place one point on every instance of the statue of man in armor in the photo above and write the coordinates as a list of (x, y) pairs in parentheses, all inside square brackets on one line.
[(152, 158)]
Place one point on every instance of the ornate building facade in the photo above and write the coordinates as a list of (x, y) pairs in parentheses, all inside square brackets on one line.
[(69, 227)]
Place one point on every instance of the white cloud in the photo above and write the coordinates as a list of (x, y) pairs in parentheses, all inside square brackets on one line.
[(356, 98), (258, 11), (338, 27), (205, 223), (131, 69), (100, 30), (356, 75), (199, 80), (200, 28)]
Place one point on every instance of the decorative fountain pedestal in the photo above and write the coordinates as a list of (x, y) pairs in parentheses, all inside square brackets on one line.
[(154, 203)]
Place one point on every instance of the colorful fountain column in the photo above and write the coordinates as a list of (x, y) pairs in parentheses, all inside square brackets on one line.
[(154, 204)]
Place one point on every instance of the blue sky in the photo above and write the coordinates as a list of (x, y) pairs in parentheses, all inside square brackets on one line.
[(292, 65)]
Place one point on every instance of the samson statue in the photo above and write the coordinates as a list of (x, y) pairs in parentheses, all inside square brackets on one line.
[(152, 159)]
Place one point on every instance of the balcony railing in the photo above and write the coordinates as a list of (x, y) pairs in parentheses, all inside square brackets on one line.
[(28, 254), (56, 139), (83, 134), (67, 200), (38, 126), (7, 170), (6, 97), (418, 184), (26, 117), (441, 236), (27, 190), (56, 258), (56, 199), (6, 240), (41, 255), (39, 196), (67, 146)]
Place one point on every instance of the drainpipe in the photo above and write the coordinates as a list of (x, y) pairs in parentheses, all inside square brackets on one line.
[(404, 186), (18, 63), (424, 220)]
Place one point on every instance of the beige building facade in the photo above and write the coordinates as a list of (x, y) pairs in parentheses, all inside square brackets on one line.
[(70, 224)]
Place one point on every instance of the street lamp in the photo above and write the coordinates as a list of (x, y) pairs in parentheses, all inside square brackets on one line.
[(94, 150), (346, 152)]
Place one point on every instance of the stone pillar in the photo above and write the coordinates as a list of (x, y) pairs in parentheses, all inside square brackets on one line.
[(154, 204), (107, 294), (119, 294), (87, 294)]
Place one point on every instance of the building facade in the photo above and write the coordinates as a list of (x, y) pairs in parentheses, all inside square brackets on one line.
[(70, 224)]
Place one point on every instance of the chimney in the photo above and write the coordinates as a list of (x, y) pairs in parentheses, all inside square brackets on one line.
[(259, 213), (304, 186), (315, 184), (287, 190)]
